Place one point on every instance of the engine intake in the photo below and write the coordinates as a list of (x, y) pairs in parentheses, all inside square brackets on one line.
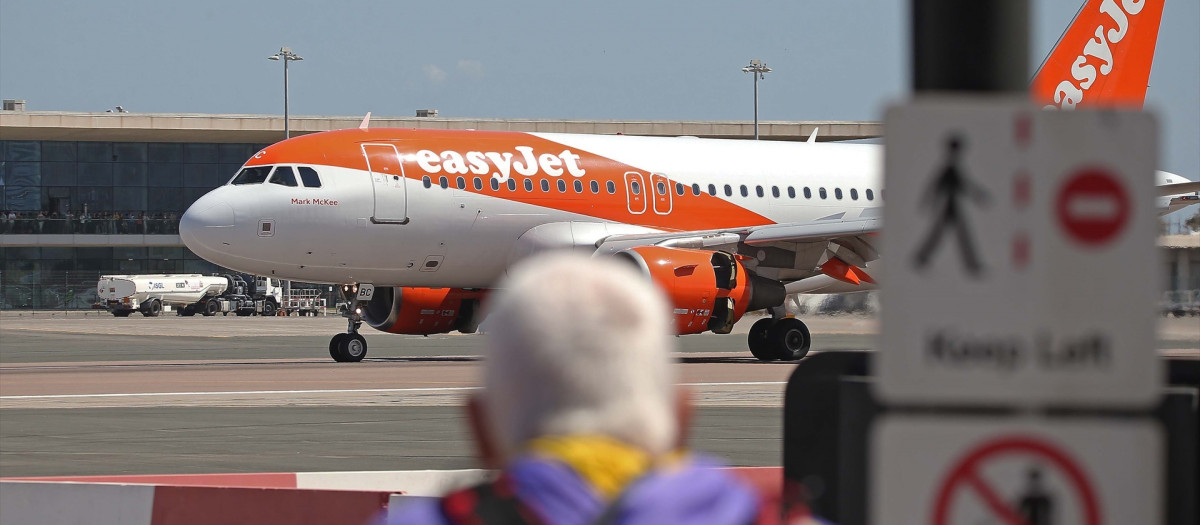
[(423, 311), (708, 290)]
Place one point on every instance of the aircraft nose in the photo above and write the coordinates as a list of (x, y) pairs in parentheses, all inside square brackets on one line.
[(207, 225)]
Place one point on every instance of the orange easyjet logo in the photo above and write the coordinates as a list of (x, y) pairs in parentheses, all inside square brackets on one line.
[(500, 165), (1084, 73)]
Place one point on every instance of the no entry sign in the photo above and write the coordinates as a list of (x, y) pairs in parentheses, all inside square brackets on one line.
[(1092, 206), (1015, 471)]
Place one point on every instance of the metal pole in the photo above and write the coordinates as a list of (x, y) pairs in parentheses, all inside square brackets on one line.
[(980, 46), (287, 130), (756, 106)]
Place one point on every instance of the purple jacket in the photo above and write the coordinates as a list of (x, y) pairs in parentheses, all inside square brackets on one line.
[(695, 492)]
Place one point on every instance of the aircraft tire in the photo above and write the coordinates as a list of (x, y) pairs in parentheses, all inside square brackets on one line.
[(757, 340), (353, 347), (335, 347), (789, 339)]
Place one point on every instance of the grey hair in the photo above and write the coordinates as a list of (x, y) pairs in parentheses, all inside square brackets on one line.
[(578, 345)]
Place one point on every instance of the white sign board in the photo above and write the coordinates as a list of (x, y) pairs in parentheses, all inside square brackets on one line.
[(1022, 266), (942, 471)]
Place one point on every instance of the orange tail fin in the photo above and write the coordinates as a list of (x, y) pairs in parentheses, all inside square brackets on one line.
[(1104, 57)]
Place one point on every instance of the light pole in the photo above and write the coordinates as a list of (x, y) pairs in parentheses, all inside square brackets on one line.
[(759, 69), (285, 53)]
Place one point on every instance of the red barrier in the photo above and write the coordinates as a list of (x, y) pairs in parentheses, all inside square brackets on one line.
[(207, 505)]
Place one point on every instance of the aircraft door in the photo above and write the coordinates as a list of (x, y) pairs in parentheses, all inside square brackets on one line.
[(661, 191), (387, 179), (635, 192)]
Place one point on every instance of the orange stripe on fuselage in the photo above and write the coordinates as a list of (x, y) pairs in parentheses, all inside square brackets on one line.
[(454, 151)]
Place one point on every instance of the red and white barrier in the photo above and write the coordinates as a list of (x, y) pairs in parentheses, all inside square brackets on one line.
[(264, 499)]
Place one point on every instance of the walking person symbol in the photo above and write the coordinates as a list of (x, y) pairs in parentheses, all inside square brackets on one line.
[(944, 196), (1035, 505)]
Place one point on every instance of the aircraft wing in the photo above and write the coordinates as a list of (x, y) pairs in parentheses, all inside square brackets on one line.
[(793, 253)]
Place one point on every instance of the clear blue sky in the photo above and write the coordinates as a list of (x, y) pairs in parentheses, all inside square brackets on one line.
[(840, 60)]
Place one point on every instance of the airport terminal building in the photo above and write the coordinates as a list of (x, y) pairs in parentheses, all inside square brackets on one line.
[(86, 194)]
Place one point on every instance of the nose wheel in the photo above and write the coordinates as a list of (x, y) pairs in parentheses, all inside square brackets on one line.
[(350, 346), (784, 339)]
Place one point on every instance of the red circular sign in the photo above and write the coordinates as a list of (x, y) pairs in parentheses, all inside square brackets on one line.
[(965, 476), (1092, 207)]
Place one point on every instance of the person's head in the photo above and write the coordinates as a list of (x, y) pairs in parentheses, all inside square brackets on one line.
[(577, 345)]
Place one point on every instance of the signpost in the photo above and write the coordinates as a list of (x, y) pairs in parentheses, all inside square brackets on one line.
[(1021, 277), (1021, 247)]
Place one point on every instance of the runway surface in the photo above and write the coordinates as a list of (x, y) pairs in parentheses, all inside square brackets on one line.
[(84, 395)]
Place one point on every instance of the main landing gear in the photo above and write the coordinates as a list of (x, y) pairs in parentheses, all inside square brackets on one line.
[(350, 347), (779, 338)]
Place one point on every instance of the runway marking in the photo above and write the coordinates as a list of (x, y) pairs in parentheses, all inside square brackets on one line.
[(340, 391)]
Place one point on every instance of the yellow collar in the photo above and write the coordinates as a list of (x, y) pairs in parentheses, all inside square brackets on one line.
[(606, 463)]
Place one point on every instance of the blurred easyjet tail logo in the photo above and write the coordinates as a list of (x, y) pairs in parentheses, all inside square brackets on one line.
[(1104, 58)]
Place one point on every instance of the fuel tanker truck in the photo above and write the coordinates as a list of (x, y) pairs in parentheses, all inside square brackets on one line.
[(190, 294)]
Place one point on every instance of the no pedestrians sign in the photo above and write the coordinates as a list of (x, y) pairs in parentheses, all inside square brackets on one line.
[(1016, 471), (1022, 266)]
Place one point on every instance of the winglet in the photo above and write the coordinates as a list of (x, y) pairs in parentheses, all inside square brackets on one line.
[(813, 136), (1104, 57), (366, 121)]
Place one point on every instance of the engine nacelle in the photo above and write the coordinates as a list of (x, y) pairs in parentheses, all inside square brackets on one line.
[(423, 311), (707, 290)]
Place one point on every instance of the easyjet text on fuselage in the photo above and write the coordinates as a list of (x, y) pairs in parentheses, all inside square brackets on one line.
[(500, 165)]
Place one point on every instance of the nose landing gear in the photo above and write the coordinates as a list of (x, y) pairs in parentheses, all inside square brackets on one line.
[(779, 338), (350, 346)]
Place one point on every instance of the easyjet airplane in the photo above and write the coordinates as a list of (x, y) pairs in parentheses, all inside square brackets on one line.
[(417, 225)]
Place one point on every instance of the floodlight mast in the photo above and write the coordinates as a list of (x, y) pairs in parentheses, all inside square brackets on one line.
[(759, 70), (286, 55)]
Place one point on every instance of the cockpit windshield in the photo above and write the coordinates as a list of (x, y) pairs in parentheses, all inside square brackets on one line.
[(251, 175)]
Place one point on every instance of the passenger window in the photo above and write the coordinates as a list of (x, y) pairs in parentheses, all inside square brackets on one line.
[(821, 192), (870, 195), (679, 188), (745, 191), (512, 185), (695, 190), (635, 187), (254, 175), (562, 186), (426, 182), (443, 183), (284, 176), (853, 194), (791, 192), (578, 186), (807, 193), (837, 192), (529, 185), (728, 191), (712, 190), (478, 184), (545, 186), (461, 183), (595, 186), (310, 177), (495, 184), (775, 191), (611, 187), (758, 190)]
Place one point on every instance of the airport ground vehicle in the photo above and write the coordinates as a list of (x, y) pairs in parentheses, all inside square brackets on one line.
[(189, 294)]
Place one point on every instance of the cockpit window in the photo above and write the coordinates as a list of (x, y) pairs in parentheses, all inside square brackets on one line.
[(252, 175), (310, 177), (284, 176)]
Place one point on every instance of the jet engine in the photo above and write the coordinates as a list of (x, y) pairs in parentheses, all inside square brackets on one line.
[(708, 290), (423, 311)]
